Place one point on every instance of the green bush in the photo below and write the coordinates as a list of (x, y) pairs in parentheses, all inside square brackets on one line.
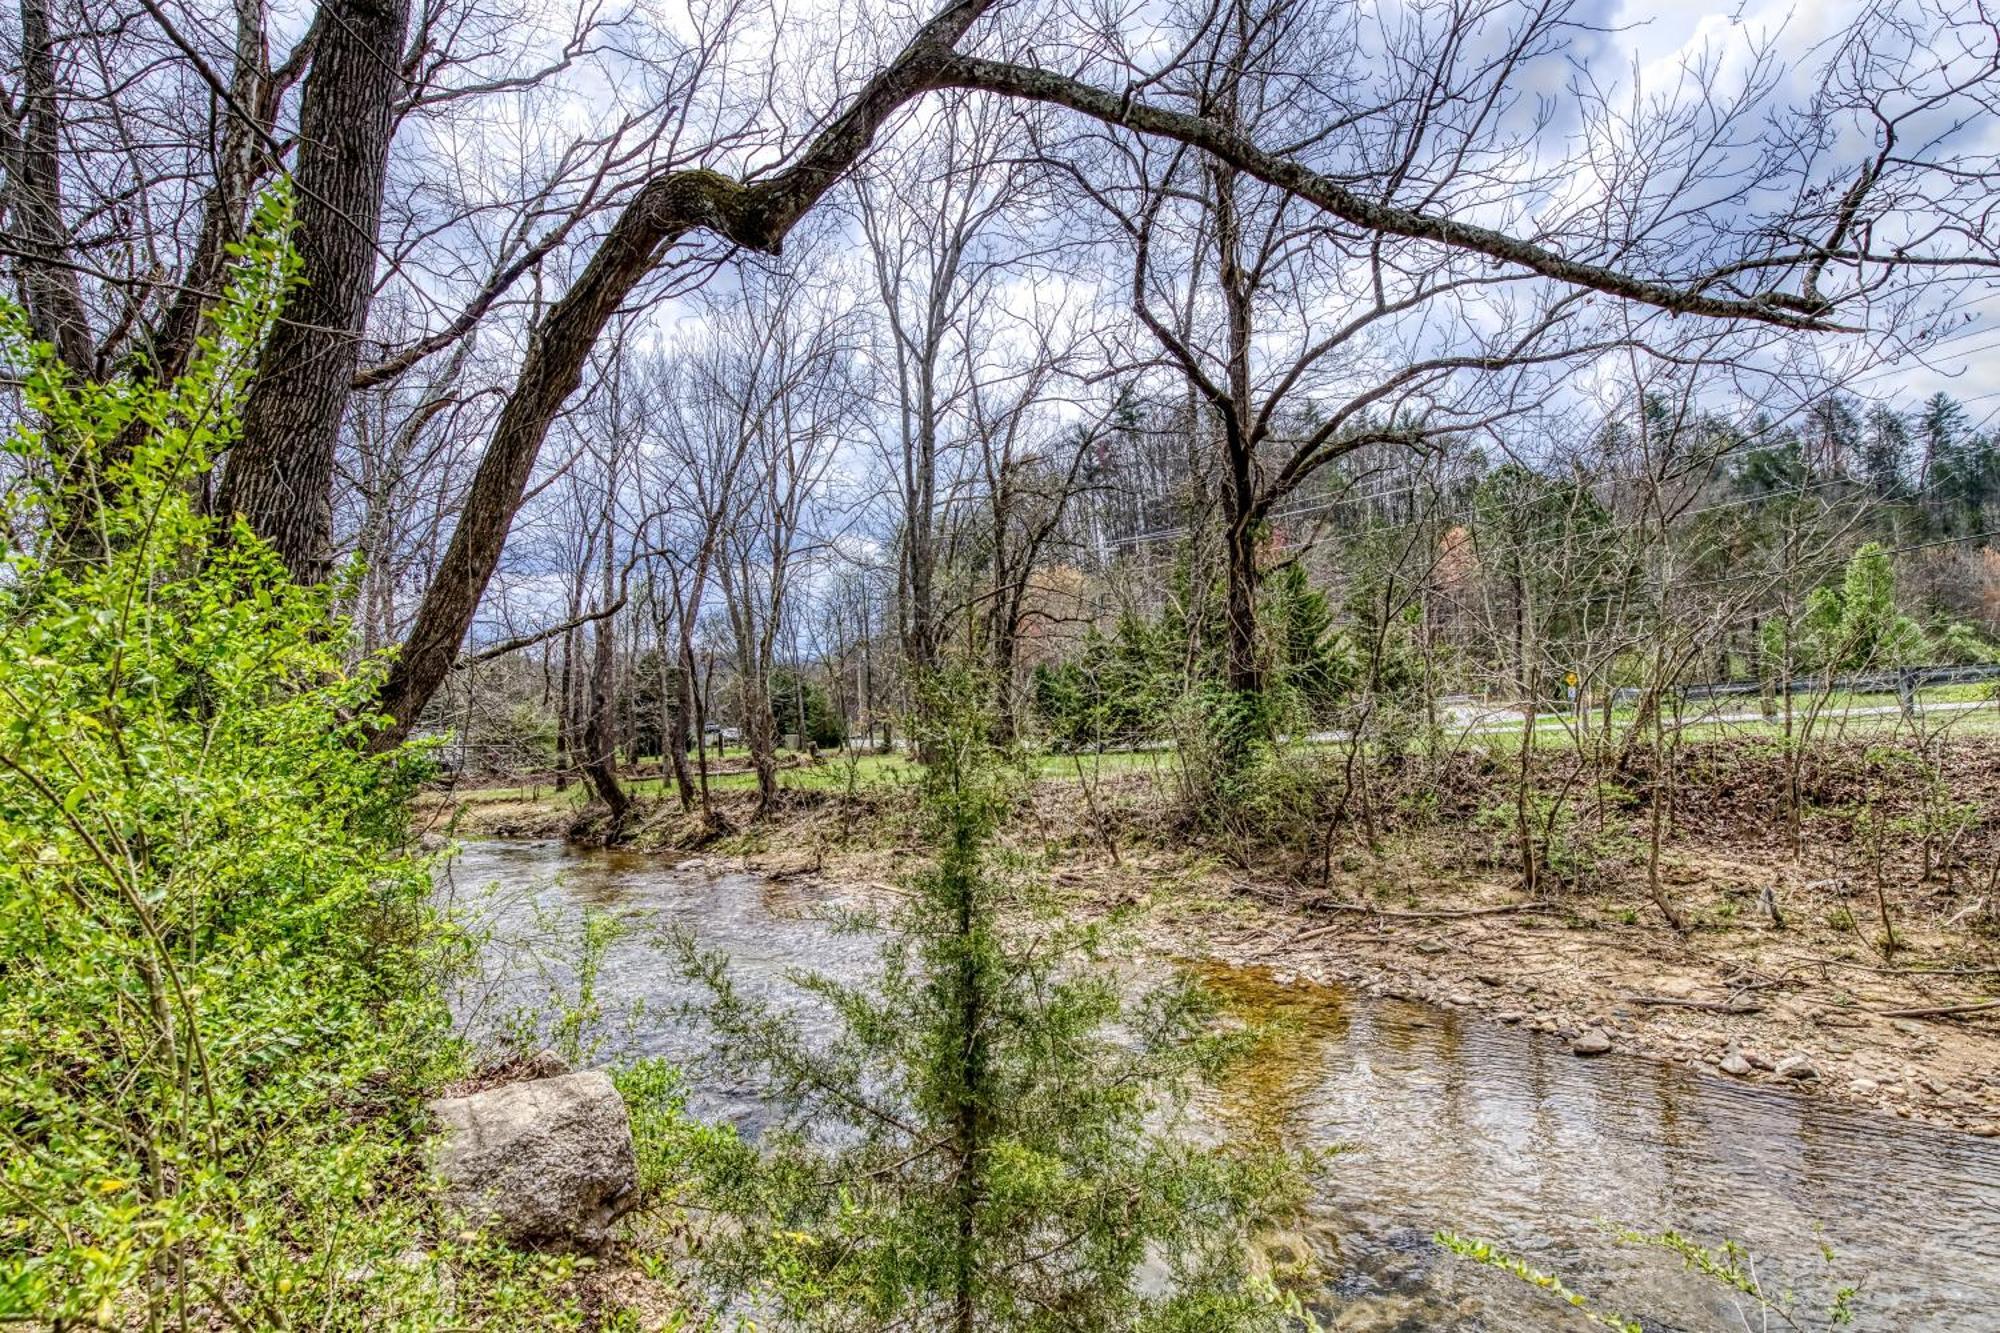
[(220, 972)]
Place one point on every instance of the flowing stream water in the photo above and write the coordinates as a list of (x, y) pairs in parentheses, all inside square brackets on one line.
[(1449, 1123)]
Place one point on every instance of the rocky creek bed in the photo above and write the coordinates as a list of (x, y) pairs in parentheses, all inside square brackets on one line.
[(1454, 1119)]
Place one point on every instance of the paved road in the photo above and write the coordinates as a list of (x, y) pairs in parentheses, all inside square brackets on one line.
[(1473, 721)]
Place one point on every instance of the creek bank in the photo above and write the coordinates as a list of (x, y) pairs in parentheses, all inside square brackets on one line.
[(1562, 980), (1735, 997), (1450, 1120)]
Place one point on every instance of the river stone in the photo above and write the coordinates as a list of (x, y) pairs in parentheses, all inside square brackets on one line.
[(1795, 1067), (544, 1162), (1596, 1041), (1734, 1063)]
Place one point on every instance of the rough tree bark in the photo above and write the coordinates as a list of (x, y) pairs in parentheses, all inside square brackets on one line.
[(280, 476), (49, 284), (600, 725)]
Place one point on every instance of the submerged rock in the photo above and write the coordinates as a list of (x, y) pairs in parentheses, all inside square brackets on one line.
[(1595, 1041), (544, 1162)]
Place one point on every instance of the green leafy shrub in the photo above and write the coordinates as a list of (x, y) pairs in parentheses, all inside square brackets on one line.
[(219, 969)]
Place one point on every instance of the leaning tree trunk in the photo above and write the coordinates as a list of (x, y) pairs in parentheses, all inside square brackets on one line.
[(756, 216), (279, 477)]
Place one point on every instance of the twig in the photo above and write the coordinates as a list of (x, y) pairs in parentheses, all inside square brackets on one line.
[(1937, 1011), (1707, 1006), (1898, 971), (1443, 913)]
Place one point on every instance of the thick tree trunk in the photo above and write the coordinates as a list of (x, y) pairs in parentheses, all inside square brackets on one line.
[(49, 286), (600, 725), (1006, 647), (1245, 675), (675, 737), (1240, 499), (279, 477), (760, 730)]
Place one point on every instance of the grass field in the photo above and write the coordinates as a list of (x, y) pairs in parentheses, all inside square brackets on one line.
[(1955, 710)]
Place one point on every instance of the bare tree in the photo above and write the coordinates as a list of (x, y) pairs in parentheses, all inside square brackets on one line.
[(1388, 171), (788, 352)]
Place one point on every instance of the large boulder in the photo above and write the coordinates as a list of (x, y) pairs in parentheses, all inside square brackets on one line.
[(544, 1162)]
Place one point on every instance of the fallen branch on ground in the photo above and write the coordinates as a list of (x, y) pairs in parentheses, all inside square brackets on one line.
[(1441, 914), (1809, 960), (1938, 1011), (1707, 1006)]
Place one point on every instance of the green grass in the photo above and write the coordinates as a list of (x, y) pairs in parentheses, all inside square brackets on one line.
[(1839, 717)]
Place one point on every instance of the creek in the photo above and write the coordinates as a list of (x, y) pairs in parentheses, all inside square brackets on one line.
[(1448, 1123)]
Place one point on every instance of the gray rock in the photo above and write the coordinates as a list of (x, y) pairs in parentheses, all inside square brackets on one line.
[(1734, 1063), (548, 1161), (1596, 1041), (1796, 1067)]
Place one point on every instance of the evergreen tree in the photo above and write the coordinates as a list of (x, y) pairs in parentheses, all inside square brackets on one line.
[(1886, 451), (1307, 656), (796, 700), (975, 1148), (1854, 624)]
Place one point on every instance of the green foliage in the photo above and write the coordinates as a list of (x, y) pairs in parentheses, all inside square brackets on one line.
[(1854, 624), (1116, 691), (1308, 658), (825, 728), (220, 974), (1218, 735), (987, 1138), (1554, 547), (1729, 1266), (1486, 1253), (650, 687), (1129, 687), (570, 1020), (1959, 644)]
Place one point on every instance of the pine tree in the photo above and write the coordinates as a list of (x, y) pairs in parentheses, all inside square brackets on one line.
[(972, 1149), (1306, 654)]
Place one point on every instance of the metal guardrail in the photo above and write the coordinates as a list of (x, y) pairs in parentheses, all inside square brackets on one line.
[(1902, 682)]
